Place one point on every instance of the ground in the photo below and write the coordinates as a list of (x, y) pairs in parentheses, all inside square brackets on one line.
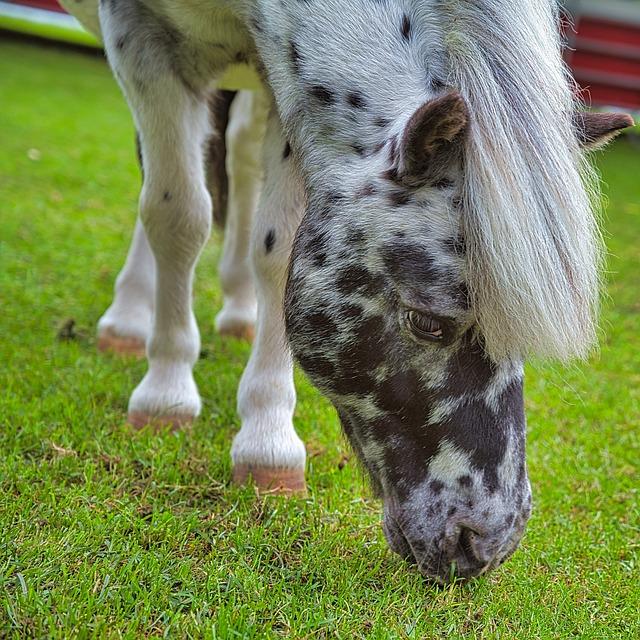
[(109, 532)]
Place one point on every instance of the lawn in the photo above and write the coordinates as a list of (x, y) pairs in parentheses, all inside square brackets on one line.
[(109, 532)]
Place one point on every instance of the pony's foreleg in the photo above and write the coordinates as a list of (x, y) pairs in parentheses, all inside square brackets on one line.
[(267, 447), (126, 324), (245, 137), (171, 115)]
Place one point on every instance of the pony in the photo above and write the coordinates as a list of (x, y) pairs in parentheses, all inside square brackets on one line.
[(427, 220)]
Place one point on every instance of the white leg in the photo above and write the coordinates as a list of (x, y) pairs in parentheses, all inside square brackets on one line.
[(126, 324), (267, 446), (245, 136), (175, 207)]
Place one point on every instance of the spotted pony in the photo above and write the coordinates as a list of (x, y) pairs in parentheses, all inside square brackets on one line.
[(426, 223)]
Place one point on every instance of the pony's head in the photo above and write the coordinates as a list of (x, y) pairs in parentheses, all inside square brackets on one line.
[(387, 315)]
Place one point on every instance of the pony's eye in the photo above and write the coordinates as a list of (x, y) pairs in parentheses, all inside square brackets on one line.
[(424, 327)]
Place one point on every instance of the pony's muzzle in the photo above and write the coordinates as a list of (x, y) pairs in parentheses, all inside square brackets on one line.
[(461, 551)]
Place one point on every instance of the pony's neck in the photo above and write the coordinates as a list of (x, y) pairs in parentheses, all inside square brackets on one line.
[(347, 76)]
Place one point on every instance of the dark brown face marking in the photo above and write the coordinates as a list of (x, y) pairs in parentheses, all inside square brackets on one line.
[(409, 262), (357, 279), (436, 486), (356, 237), (287, 151), (406, 27), (359, 149), (270, 240), (322, 366), (296, 58), (356, 100), (319, 257), (334, 197), (322, 93), (369, 189), (166, 196)]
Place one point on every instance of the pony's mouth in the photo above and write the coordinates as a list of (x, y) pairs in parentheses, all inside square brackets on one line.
[(460, 552)]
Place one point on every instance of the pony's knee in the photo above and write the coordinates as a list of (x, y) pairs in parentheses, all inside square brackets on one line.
[(177, 220)]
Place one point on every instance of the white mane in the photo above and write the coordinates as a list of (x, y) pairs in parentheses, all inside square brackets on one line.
[(533, 248)]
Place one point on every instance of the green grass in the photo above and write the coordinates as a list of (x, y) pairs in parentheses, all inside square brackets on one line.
[(109, 532)]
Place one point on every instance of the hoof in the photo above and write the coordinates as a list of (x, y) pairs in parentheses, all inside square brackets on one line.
[(244, 332), (159, 423), (272, 480), (125, 346)]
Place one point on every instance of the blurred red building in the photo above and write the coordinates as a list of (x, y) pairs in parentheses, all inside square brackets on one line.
[(49, 5), (604, 51)]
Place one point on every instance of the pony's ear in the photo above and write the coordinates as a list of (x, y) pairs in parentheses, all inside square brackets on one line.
[(433, 138), (595, 130)]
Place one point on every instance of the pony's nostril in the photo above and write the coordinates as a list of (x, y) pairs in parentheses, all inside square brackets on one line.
[(462, 550), (465, 552)]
